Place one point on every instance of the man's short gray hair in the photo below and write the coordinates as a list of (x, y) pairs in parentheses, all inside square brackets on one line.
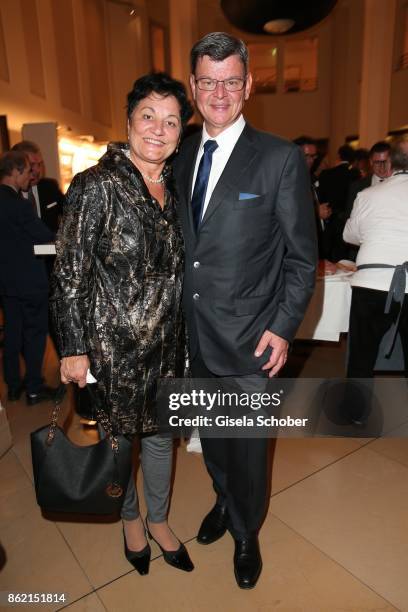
[(399, 153), (218, 46), (26, 146)]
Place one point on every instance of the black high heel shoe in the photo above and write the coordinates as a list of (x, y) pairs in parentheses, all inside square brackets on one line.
[(177, 558), (140, 559)]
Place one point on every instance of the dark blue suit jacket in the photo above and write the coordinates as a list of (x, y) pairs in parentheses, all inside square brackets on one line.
[(251, 266), (21, 272)]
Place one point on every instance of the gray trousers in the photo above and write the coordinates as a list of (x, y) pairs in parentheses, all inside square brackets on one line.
[(156, 460)]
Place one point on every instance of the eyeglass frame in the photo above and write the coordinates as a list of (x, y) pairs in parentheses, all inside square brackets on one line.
[(223, 81)]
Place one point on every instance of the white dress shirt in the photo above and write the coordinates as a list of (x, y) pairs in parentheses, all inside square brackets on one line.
[(226, 141), (379, 223)]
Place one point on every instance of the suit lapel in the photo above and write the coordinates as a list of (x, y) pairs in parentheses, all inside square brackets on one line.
[(188, 178), (241, 158)]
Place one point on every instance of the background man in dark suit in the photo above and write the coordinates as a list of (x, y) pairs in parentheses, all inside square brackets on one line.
[(44, 193), (23, 281), (333, 187), (250, 240), (322, 210)]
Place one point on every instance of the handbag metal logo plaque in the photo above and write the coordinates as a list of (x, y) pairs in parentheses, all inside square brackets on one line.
[(114, 490)]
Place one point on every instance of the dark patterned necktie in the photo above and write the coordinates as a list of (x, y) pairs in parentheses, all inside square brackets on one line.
[(200, 187)]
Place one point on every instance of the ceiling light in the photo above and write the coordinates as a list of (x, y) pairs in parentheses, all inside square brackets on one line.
[(278, 26)]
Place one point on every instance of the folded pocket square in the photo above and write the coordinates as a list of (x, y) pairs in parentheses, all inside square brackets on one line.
[(248, 196), (51, 205)]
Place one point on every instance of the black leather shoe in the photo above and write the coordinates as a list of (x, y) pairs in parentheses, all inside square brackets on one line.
[(213, 526), (247, 562), (140, 559), (45, 394), (14, 393), (179, 558)]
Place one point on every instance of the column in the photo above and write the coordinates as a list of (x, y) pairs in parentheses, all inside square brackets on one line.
[(183, 34), (379, 24)]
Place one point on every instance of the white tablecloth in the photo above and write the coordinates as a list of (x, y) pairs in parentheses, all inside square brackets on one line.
[(327, 315)]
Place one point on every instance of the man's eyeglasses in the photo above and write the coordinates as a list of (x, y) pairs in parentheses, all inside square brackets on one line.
[(234, 84)]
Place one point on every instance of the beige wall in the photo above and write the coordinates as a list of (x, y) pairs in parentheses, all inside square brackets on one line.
[(72, 62), (399, 80), (296, 113), (345, 52), (331, 110), (128, 38)]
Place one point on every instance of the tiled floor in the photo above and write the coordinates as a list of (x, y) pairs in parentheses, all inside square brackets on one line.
[(335, 538)]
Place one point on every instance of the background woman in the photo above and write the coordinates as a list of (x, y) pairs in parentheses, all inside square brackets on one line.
[(116, 295)]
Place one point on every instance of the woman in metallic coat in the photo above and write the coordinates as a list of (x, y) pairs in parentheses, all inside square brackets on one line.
[(116, 295)]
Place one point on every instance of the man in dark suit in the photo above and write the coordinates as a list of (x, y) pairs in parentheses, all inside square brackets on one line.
[(322, 210), (44, 193), (250, 239), (23, 281), (333, 186)]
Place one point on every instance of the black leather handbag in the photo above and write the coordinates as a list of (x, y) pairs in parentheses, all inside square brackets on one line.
[(80, 479)]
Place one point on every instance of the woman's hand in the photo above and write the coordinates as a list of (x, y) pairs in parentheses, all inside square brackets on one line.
[(74, 369)]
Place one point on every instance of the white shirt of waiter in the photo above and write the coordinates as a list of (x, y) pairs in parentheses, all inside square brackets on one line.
[(379, 224)]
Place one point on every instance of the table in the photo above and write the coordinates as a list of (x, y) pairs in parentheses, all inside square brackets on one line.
[(327, 315)]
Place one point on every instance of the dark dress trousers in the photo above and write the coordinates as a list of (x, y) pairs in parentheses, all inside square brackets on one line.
[(249, 268), (23, 287)]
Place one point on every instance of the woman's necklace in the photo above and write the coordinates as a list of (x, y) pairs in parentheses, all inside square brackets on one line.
[(150, 179), (146, 176)]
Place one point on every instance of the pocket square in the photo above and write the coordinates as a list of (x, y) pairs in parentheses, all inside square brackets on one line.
[(248, 196), (51, 205)]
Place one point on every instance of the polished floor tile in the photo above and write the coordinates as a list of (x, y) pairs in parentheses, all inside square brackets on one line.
[(296, 459), (90, 603), (335, 538), (395, 448), (296, 577), (38, 558), (356, 512)]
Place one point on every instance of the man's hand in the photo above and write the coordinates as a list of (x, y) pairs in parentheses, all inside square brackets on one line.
[(74, 369), (325, 211), (279, 352)]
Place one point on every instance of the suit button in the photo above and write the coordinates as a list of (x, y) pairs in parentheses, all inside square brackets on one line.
[(196, 296), (196, 264)]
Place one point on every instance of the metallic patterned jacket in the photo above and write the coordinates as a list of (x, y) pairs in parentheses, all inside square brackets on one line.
[(116, 287)]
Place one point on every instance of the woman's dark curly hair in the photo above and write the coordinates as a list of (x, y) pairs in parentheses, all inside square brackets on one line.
[(164, 85)]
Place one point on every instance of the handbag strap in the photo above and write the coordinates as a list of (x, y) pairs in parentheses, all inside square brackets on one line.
[(102, 418)]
